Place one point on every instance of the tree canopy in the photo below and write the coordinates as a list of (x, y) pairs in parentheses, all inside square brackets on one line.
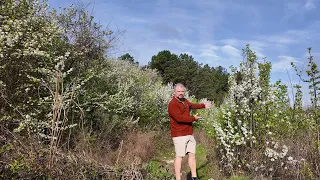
[(201, 81), (129, 58)]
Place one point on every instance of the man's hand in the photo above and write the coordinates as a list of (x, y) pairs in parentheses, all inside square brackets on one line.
[(207, 105), (196, 116)]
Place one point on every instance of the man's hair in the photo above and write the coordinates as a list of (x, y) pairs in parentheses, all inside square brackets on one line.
[(179, 85)]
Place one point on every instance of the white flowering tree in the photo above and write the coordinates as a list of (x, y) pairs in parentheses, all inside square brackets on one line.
[(253, 117), (33, 95), (28, 58), (313, 79)]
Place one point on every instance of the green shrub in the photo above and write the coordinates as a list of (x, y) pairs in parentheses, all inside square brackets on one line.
[(158, 171)]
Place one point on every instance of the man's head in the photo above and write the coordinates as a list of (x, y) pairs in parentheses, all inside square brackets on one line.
[(179, 91)]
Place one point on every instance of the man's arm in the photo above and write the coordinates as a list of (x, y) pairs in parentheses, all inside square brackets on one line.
[(196, 106), (200, 106), (175, 113)]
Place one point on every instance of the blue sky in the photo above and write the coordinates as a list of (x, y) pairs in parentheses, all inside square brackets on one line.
[(214, 32)]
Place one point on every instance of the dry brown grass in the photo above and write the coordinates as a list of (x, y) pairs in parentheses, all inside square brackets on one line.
[(136, 144), (26, 159)]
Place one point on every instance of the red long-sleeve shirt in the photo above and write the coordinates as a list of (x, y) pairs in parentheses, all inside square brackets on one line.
[(180, 119)]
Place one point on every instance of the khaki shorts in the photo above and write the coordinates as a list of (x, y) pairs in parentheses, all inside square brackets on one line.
[(184, 145)]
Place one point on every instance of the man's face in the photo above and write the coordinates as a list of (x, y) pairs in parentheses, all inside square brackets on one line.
[(179, 92)]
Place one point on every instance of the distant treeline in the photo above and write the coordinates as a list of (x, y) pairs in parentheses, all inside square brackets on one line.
[(202, 81)]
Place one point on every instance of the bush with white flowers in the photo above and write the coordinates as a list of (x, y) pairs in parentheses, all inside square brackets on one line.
[(252, 111)]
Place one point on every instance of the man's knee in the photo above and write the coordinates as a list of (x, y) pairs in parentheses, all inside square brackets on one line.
[(178, 160), (191, 155)]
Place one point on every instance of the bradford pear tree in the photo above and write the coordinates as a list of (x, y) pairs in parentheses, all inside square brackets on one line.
[(313, 78)]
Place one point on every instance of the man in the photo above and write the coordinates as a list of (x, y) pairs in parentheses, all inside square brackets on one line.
[(181, 129)]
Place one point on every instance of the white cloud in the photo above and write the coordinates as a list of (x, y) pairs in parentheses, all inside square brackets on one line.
[(284, 63), (225, 55), (256, 46), (134, 19), (177, 43), (310, 5), (297, 9), (187, 52), (288, 37), (208, 53), (210, 47), (279, 39), (231, 51), (233, 42), (208, 50), (301, 34)]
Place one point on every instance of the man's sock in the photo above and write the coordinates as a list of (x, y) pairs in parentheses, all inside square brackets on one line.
[(194, 178)]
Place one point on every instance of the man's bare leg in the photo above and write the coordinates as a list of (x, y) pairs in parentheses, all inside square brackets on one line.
[(192, 164), (177, 167)]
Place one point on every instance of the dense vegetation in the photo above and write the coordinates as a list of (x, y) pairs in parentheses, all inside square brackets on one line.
[(68, 111)]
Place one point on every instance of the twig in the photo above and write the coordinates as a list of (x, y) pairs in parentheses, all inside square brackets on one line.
[(121, 143)]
